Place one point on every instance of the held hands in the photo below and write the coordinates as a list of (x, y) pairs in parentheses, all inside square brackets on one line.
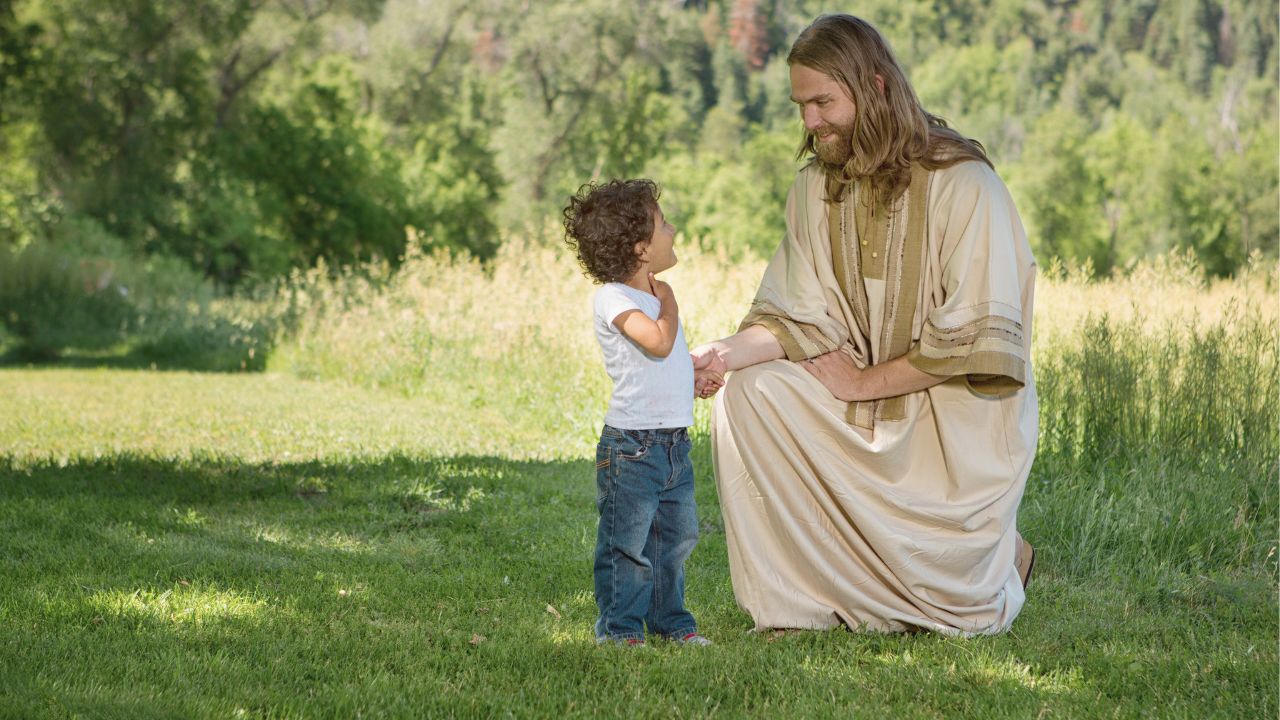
[(708, 371), (706, 383), (835, 370)]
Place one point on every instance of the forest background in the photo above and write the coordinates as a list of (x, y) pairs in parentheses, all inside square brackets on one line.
[(156, 148)]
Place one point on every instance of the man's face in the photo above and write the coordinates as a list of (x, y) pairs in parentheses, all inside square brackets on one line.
[(827, 112)]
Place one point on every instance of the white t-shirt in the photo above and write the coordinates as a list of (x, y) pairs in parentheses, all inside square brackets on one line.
[(648, 392)]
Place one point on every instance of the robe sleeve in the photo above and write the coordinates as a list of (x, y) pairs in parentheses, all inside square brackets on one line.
[(791, 302), (977, 330)]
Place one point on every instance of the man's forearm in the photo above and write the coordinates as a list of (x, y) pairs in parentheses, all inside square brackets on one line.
[(893, 378), (752, 346)]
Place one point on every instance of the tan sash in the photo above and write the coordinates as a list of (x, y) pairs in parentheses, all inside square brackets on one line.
[(903, 226)]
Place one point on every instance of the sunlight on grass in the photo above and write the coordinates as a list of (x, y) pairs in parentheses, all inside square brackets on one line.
[(189, 518), (574, 623), (993, 671), (565, 634), (428, 496), (279, 535), (186, 605), (296, 541), (971, 667)]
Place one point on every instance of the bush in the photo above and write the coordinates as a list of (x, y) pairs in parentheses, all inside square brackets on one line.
[(81, 290), (71, 290)]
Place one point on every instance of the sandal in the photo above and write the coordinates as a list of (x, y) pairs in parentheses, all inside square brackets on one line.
[(1025, 560)]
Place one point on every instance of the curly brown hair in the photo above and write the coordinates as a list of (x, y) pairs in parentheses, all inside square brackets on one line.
[(603, 223)]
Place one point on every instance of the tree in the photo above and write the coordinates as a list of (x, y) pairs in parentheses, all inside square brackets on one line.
[(569, 70), (1059, 194)]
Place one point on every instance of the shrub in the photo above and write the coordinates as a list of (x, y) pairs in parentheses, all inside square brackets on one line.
[(81, 290), (69, 290)]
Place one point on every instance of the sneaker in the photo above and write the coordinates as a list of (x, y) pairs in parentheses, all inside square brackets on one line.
[(628, 642), (693, 639)]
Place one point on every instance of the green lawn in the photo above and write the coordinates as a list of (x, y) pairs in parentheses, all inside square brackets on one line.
[(253, 545)]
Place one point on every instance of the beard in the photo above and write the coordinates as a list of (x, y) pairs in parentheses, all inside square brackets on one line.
[(834, 153)]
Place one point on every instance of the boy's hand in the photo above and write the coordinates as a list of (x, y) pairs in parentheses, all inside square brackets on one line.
[(661, 290)]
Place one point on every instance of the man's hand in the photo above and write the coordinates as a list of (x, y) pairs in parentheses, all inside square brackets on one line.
[(706, 357), (838, 373)]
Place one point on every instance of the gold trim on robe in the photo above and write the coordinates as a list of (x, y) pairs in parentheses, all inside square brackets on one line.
[(899, 234), (985, 343)]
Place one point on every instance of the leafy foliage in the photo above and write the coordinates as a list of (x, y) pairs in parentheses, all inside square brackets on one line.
[(251, 138)]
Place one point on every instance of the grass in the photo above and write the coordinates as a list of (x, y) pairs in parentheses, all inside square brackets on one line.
[(397, 521), (201, 545)]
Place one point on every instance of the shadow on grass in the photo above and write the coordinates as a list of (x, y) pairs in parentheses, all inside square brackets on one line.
[(344, 488), (134, 358)]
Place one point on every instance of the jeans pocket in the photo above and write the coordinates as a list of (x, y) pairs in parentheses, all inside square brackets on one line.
[(630, 448)]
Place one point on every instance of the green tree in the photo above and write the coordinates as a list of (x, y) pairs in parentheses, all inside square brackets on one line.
[(1059, 194), (322, 186), (571, 68), (452, 178)]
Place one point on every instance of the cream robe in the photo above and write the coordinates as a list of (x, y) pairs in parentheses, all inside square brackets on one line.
[(908, 521)]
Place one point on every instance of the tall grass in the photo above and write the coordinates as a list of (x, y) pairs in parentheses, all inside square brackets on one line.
[(511, 340), (1161, 446), (1159, 357)]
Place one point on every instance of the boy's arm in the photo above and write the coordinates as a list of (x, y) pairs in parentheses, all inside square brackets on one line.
[(656, 337)]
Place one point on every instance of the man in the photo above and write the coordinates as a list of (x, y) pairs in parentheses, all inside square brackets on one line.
[(872, 447)]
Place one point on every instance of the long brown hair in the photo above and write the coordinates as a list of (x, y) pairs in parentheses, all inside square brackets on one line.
[(890, 130)]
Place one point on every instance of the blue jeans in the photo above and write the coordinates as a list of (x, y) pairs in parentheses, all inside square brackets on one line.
[(648, 527)]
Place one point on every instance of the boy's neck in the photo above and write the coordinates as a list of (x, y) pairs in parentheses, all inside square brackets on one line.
[(640, 280)]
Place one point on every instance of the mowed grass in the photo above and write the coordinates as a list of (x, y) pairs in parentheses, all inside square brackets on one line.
[(409, 532), (186, 545)]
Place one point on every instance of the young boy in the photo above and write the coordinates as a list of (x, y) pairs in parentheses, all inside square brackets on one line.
[(644, 479)]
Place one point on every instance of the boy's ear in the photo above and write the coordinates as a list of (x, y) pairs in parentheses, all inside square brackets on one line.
[(642, 249)]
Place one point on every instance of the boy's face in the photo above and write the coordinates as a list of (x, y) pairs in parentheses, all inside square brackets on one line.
[(660, 251)]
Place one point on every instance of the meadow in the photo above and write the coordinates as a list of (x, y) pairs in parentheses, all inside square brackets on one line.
[(392, 515)]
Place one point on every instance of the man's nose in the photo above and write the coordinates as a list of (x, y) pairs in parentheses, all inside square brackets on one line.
[(812, 120)]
